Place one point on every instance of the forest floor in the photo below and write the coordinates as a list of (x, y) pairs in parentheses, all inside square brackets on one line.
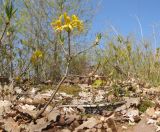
[(120, 106)]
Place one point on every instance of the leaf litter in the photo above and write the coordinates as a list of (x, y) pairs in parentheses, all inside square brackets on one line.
[(91, 110)]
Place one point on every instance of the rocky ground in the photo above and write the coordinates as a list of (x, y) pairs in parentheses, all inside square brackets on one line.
[(118, 106)]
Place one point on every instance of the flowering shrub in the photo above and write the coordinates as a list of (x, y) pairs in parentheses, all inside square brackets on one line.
[(67, 23)]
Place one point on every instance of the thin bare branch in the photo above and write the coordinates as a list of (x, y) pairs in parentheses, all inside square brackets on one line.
[(54, 93)]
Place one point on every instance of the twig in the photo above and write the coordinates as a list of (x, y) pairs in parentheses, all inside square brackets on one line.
[(155, 41), (54, 93), (23, 72), (72, 75), (64, 50), (69, 45), (114, 30), (95, 70), (140, 26), (4, 32), (84, 50), (95, 105)]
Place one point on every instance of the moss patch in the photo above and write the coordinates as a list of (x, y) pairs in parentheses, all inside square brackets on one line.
[(144, 105), (70, 89), (44, 88), (97, 83)]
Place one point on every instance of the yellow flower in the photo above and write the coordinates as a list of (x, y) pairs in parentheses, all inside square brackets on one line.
[(80, 26), (76, 23), (67, 23), (8, 33), (74, 18), (68, 27), (57, 25), (18, 78), (36, 56), (67, 19)]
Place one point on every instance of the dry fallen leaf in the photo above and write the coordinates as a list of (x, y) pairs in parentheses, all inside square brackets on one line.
[(112, 125), (41, 124), (142, 126), (88, 124), (11, 126), (151, 121), (132, 101), (27, 110), (150, 111), (52, 116), (4, 106), (131, 114)]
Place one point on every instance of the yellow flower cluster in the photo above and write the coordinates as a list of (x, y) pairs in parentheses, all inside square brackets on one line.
[(67, 23), (37, 55), (18, 78)]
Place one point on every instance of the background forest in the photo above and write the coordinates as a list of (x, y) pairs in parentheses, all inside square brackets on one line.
[(27, 30)]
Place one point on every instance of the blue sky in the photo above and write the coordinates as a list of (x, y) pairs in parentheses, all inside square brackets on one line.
[(122, 15)]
